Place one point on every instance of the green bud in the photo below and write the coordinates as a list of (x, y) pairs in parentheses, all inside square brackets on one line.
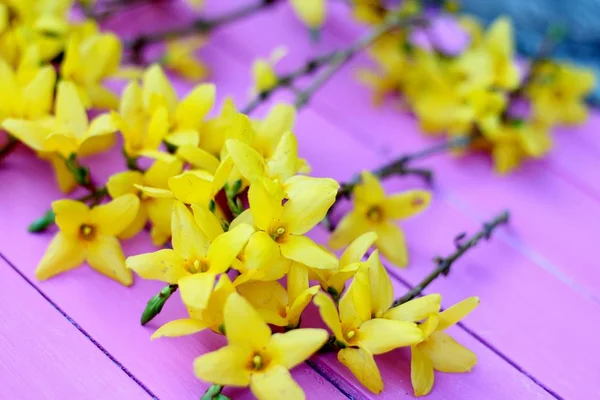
[(42, 223), (212, 393), (156, 303)]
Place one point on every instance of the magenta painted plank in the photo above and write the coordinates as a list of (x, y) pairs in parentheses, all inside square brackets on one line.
[(43, 356)]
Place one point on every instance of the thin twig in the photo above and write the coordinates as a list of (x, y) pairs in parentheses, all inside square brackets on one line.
[(333, 61), (198, 26), (444, 264)]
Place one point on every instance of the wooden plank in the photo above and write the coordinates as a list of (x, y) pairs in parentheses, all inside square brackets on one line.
[(43, 356)]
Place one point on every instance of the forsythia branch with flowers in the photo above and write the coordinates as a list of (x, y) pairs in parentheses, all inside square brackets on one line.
[(232, 196)]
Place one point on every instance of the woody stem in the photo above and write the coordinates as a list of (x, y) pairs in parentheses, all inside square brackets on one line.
[(444, 264), (333, 61), (198, 26)]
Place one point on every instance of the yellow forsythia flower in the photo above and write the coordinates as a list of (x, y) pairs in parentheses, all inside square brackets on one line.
[(89, 235), (558, 93), (311, 12), (156, 209), (195, 260), (90, 58), (515, 142), (210, 317), (360, 335), (438, 350), (283, 225), (263, 74), (69, 131), (256, 358), (374, 211), (333, 281), (180, 57), (276, 305)]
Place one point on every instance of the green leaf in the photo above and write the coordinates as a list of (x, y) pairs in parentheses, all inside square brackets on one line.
[(42, 223)]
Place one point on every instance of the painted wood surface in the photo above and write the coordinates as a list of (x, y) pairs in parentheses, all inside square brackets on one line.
[(535, 279)]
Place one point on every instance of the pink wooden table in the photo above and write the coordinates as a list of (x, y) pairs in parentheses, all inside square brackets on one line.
[(535, 333)]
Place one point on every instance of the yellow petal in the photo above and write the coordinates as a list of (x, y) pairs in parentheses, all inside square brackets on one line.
[(416, 309), (250, 163), (265, 295), (195, 289), (380, 335), (64, 177), (279, 120), (225, 248), (63, 254), (70, 110), (382, 291), (308, 201), (457, 312), (283, 163), (188, 239), (350, 227), (421, 372), (243, 324), (226, 366), (297, 280), (276, 383), (358, 248), (199, 158), (329, 314), (447, 355), (266, 207), (363, 366), (207, 221), (369, 191), (114, 217), (179, 327), (390, 242), (355, 304), (299, 304), (102, 125), (69, 215), (407, 204), (106, 256), (429, 325), (160, 171), (196, 105), (303, 250), (191, 188), (138, 223), (261, 251), (157, 128), (39, 92), (157, 89), (31, 133), (292, 348), (311, 12), (123, 182), (183, 137), (162, 265)]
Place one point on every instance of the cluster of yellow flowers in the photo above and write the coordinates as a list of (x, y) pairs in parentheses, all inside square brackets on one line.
[(231, 194), (476, 94)]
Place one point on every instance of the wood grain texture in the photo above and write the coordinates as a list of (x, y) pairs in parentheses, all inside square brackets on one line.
[(43, 356)]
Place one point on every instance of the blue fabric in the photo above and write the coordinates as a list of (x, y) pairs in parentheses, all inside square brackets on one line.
[(531, 19)]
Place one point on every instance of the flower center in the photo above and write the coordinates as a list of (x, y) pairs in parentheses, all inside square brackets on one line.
[(350, 334), (277, 233), (87, 232), (257, 362), (375, 214), (197, 266)]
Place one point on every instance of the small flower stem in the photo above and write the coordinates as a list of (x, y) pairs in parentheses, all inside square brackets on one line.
[(80, 173), (214, 393), (444, 264), (9, 147), (156, 303), (199, 26), (333, 61)]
